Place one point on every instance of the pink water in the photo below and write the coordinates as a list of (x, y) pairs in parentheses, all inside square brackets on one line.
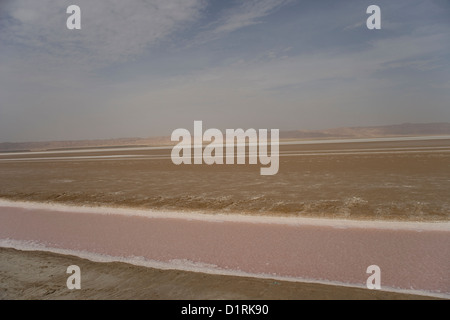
[(409, 259)]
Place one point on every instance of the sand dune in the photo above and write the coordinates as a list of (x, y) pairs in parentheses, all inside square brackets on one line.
[(405, 129)]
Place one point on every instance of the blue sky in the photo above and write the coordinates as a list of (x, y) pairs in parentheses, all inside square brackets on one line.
[(145, 68)]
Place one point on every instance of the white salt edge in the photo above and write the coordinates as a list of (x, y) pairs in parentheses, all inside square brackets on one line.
[(232, 217)]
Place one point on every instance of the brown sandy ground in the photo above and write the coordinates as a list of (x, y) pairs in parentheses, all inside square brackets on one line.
[(408, 183), (42, 275)]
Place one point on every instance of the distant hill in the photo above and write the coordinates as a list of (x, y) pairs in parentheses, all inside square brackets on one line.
[(84, 144), (405, 129)]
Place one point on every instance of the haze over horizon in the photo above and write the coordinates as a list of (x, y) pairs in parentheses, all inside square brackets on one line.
[(145, 68)]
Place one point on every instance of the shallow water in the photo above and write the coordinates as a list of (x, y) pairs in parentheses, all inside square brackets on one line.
[(411, 259)]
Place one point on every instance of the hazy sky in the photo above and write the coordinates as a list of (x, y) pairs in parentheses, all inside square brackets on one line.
[(144, 68)]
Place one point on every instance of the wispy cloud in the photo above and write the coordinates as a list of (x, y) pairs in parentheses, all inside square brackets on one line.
[(247, 13), (129, 72), (111, 30)]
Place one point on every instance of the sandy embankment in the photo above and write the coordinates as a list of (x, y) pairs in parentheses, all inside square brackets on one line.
[(41, 275)]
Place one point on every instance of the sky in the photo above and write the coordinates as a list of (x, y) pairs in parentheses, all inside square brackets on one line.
[(145, 68)]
